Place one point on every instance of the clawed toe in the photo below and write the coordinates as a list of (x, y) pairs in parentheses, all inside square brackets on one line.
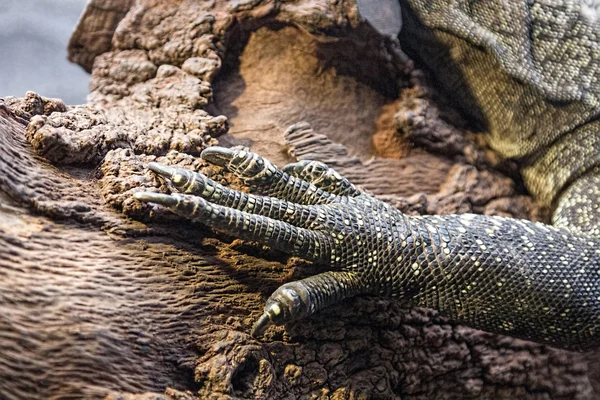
[(267, 179), (220, 156), (179, 177), (162, 170), (282, 307), (261, 325), (289, 214), (158, 198)]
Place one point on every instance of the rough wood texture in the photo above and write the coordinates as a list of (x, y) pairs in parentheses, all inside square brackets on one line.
[(102, 296)]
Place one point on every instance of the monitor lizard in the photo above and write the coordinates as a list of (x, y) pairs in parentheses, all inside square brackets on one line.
[(527, 70)]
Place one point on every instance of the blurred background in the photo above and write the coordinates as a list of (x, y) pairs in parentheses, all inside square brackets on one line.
[(33, 49)]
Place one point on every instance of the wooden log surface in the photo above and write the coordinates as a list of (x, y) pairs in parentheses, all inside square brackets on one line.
[(103, 296)]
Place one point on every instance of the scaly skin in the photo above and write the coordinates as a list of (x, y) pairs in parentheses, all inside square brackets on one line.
[(529, 72), (484, 271)]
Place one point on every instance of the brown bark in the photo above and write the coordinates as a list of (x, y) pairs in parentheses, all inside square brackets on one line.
[(100, 295)]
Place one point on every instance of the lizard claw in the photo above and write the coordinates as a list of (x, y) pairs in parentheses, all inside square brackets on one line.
[(158, 198), (179, 177), (281, 308), (286, 304), (261, 325), (220, 156), (162, 170)]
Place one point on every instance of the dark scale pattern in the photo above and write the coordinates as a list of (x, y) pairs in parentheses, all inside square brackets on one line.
[(529, 71), (515, 277), (579, 206), (512, 276)]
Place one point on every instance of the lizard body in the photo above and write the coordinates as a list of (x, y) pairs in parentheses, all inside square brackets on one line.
[(529, 72)]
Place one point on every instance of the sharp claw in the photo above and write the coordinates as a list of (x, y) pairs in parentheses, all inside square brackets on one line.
[(161, 170), (178, 177), (158, 198), (261, 325), (220, 156)]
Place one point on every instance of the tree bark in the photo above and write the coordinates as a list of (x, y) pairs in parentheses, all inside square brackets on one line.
[(103, 296)]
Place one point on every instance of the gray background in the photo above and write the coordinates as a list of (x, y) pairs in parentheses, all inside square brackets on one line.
[(33, 49)]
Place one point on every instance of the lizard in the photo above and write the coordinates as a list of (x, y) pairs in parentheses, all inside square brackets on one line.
[(527, 71)]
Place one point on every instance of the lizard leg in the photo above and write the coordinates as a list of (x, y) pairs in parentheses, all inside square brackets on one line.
[(322, 176), (265, 178), (308, 244), (190, 182), (296, 300)]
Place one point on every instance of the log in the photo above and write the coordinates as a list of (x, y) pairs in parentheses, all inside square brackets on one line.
[(104, 297)]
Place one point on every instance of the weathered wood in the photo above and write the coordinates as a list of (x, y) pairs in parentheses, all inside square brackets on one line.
[(100, 294)]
